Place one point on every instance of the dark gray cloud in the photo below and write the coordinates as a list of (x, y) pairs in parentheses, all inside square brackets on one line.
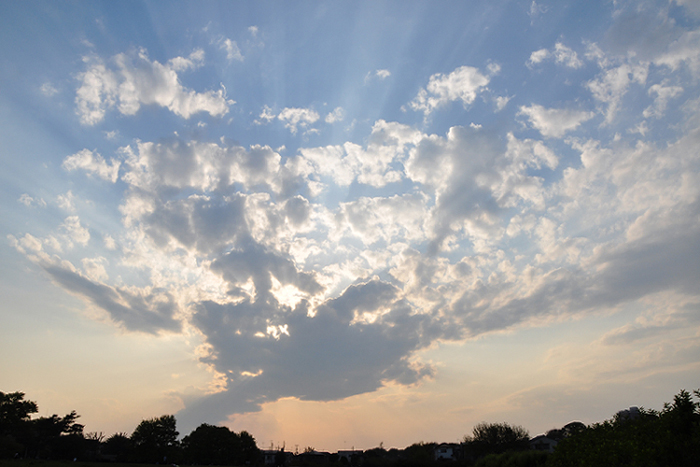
[(253, 261), (205, 224), (328, 356), (150, 312)]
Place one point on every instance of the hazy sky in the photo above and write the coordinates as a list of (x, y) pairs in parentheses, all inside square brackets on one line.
[(343, 223)]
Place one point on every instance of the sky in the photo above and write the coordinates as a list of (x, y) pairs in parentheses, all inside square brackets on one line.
[(340, 224)]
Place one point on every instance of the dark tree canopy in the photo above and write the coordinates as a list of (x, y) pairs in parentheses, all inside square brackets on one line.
[(496, 438), (14, 410), (670, 437), (118, 447), (155, 440), (209, 444), (15, 423), (51, 437)]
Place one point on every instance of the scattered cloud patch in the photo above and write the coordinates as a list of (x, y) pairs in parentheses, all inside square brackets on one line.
[(463, 84), (75, 230), (501, 102), (663, 94), (149, 311), (561, 54), (94, 164), (337, 115), (48, 89), (611, 85), (66, 201), (553, 123), (233, 52), (536, 10), (192, 62), (30, 201), (132, 79), (377, 74), (295, 118)]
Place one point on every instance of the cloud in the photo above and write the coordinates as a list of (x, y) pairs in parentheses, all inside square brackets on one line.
[(93, 163), (371, 165), (232, 50), (294, 118), (48, 89), (75, 230), (553, 123), (395, 218), (561, 54), (135, 80), (536, 10), (382, 74), (204, 166), (289, 292), (463, 84), (193, 61), (657, 325), (377, 74), (349, 356), (611, 85), (323, 272), (663, 94), (501, 102), (337, 115), (66, 201), (266, 116), (683, 50), (148, 310), (30, 201)]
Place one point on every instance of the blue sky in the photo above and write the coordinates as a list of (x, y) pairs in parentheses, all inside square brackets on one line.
[(340, 224)]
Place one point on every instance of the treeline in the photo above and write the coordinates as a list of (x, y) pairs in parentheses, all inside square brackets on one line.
[(154, 441), (634, 438)]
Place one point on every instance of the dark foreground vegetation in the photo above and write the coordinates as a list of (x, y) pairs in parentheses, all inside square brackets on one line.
[(635, 437)]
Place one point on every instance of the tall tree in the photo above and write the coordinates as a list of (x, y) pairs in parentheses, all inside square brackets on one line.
[(155, 440), (218, 445), (250, 453), (209, 444), (57, 437), (15, 429)]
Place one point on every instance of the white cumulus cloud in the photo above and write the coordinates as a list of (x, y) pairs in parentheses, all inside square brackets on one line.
[(553, 123), (134, 80), (294, 118), (94, 164), (463, 84)]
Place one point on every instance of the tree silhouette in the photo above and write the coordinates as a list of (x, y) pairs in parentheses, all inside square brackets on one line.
[(57, 437), (670, 437), (155, 440), (119, 447), (496, 438), (217, 445), (250, 453), (15, 425)]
